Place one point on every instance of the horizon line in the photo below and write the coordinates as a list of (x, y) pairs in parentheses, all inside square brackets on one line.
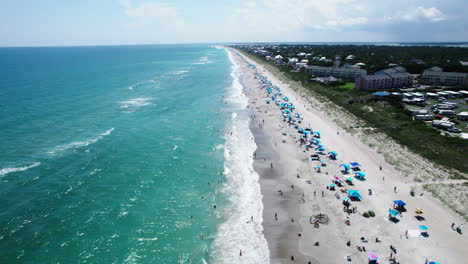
[(242, 42)]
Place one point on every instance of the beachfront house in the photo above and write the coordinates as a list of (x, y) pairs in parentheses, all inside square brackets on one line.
[(292, 62), (278, 59)]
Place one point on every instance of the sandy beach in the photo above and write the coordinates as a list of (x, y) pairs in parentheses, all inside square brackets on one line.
[(294, 194)]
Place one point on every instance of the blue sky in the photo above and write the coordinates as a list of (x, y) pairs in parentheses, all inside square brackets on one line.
[(112, 22)]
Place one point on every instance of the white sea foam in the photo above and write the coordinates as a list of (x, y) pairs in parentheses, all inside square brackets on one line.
[(203, 60), (136, 102), (79, 144), (242, 189), (5, 171), (179, 72)]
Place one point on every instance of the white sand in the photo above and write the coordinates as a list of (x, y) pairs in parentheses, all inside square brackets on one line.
[(289, 159)]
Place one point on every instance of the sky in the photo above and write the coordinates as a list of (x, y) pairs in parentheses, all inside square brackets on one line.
[(119, 22)]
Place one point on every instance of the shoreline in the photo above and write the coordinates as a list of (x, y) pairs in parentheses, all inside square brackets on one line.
[(283, 237)]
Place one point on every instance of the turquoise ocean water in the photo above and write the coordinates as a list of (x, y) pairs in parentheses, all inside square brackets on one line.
[(114, 154)]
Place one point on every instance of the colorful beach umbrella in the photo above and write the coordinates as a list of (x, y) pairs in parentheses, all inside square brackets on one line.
[(373, 256)]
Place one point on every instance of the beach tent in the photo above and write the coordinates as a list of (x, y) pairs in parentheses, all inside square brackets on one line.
[(399, 203), (346, 167), (355, 166), (393, 212), (360, 174), (354, 194)]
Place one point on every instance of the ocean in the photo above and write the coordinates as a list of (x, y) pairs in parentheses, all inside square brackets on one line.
[(126, 154)]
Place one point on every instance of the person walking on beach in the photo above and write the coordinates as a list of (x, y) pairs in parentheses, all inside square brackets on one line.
[(394, 189), (276, 216), (271, 166), (453, 224)]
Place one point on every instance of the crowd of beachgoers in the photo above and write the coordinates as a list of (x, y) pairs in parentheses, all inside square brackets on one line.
[(379, 234)]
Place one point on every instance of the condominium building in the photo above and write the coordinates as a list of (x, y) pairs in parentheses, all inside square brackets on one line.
[(439, 77), (386, 79), (342, 73)]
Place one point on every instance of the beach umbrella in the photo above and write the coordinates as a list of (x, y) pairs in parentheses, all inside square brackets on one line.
[(346, 167), (320, 149), (423, 227), (373, 256), (399, 202), (349, 179), (317, 134), (355, 164), (434, 262), (354, 194), (418, 211), (393, 212), (360, 174), (316, 140), (333, 153)]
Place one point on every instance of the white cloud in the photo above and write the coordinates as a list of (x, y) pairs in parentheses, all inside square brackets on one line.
[(153, 14), (432, 14), (300, 15)]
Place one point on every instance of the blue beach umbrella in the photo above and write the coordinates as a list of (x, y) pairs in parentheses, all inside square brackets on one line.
[(332, 152), (360, 174), (423, 227), (393, 212), (346, 167), (354, 194), (320, 149), (399, 202)]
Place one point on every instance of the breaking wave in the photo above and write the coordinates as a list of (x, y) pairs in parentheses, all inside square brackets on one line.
[(80, 144), (5, 171), (242, 188)]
